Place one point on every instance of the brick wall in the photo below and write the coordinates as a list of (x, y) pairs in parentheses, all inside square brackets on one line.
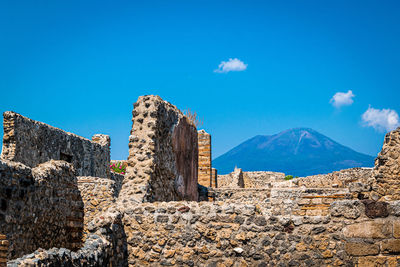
[(3, 250), (205, 169)]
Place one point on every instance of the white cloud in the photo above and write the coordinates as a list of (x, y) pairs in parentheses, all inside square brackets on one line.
[(342, 99), (381, 119), (231, 65)]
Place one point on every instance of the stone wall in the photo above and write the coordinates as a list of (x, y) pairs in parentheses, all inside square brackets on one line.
[(3, 249), (263, 179), (98, 195), (214, 178), (40, 207), (234, 234), (163, 154), (387, 168), (234, 179), (240, 179), (31, 143), (204, 173)]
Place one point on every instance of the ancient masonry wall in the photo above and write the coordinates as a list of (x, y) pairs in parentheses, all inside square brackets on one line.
[(214, 178), (234, 234), (40, 207), (3, 249), (387, 168), (204, 173), (31, 143), (163, 154), (98, 195)]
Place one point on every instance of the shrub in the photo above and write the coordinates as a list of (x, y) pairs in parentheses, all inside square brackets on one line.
[(118, 168), (288, 177)]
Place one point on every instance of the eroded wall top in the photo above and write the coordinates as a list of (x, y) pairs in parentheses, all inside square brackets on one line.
[(163, 154), (31, 143)]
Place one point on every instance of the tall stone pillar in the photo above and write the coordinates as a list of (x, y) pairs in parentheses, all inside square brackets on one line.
[(204, 140), (3, 250)]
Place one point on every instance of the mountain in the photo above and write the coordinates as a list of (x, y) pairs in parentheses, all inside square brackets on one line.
[(298, 151)]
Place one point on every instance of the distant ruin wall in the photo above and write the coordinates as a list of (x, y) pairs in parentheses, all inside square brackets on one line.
[(163, 154), (387, 168), (40, 207), (204, 158), (31, 143)]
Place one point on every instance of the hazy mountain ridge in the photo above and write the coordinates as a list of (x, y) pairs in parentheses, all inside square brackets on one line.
[(298, 151)]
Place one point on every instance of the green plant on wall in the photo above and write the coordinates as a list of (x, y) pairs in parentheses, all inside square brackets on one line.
[(118, 168), (288, 177)]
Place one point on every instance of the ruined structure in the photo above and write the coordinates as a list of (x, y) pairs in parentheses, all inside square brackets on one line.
[(151, 216), (205, 168)]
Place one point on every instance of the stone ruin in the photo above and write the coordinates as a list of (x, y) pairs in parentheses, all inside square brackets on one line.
[(60, 205)]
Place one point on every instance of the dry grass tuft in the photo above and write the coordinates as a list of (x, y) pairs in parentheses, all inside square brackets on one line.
[(193, 118)]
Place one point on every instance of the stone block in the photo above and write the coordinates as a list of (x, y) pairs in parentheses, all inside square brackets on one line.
[(390, 246), (396, 229), (369, 229), (375, 209), (361, 249)]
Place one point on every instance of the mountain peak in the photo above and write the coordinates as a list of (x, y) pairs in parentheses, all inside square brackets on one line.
[(298, 151)]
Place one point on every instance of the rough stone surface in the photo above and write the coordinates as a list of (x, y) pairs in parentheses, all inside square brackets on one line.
[(375, 209), (163, 154), (40, 207), (361, 249), (31, 143), (140, 219), (205, 167), (369, 229), (387, 168)]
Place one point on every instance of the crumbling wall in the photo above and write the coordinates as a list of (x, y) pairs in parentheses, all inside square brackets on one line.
[(262, 179), (234, 179), (204, 173), (105, 246), (31, 143), (387, 168), (163, 154), (40, 207), (98, 195)]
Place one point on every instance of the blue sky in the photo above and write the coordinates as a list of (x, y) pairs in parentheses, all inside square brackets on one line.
[(80, 65)]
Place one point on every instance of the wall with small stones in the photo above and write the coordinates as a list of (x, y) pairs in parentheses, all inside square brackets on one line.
[(40, 207), (163, 154), (105, 246), (31, 143), (234, 234), (262, 179), (204, 173), (98, 195), (234, 179), (387, 168)]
